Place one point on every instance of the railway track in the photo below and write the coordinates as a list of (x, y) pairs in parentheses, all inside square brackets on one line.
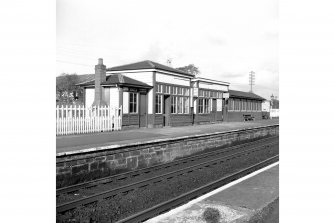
[(184, 198), (123, 190), (149, 170)]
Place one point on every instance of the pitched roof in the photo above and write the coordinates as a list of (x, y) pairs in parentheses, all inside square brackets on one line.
[(242, 94), (85, 78), (118, 79), (80, 78), (147, 64)]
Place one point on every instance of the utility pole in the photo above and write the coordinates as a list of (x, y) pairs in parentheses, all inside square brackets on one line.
[(251, 79)]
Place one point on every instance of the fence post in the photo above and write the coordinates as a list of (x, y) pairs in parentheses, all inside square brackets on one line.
[(120, 118), (62, 120)]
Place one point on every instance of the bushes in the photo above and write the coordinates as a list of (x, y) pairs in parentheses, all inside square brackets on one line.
[(211, 215)]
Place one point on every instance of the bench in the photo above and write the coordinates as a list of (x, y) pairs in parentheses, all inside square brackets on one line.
[(248, 117)]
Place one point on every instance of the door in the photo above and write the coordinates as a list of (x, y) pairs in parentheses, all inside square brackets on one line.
[(225, 110), (143, 110), (166, 110), (213, 113)]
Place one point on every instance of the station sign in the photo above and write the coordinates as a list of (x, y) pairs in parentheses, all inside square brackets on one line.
[(225, 95), (130, 89), (142, 90)]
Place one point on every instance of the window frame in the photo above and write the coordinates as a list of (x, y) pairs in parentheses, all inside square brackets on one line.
[(160, 104), (133, 103), (173, 104)]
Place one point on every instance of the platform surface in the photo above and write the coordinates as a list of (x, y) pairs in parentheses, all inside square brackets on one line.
[(86, 141), (237, 202)]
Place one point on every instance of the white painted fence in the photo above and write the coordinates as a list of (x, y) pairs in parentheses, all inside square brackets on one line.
[(80, 120), (274, 113)]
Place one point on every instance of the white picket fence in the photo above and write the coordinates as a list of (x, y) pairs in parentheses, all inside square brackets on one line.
[(80, 120)]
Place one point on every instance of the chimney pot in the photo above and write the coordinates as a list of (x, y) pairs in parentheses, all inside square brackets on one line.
[(100, 61)]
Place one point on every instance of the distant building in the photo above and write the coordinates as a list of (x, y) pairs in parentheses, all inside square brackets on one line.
[(271, 107)]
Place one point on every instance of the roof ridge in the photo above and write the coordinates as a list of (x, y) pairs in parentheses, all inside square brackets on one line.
[(151, 64), (127, 64)]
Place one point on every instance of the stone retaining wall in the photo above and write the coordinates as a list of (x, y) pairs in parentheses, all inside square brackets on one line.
[(141, 155)]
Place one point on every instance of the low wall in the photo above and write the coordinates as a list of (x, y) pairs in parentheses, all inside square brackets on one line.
[(139, 155)]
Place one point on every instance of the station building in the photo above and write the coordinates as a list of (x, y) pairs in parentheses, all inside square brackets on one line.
[(155, 95), (244, 104)]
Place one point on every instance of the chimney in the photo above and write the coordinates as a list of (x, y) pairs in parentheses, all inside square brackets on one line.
[(100, 76)]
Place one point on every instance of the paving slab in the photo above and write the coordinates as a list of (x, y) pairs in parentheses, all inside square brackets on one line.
[(86, 141), (236, 204)]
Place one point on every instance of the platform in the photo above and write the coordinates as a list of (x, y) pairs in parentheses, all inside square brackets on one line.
[(254, 198), (86, 141)]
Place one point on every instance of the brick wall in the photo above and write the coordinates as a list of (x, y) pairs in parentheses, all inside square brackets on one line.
[(202, 118), (180, 119), (131, 120), (146, 154)]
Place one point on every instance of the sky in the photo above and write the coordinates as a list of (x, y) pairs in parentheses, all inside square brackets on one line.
[(224, 39)]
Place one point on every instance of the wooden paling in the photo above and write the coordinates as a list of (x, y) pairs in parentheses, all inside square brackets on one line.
[(75, 119)]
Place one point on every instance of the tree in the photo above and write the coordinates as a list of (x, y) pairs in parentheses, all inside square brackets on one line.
[(191, 69), (66, 89)]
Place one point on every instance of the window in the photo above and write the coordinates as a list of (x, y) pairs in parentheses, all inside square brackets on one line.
[(186, 92), (206, 105), (201, 93), (201, 105), (159, 88), (174, 90), (173, 104), (132, 102), (186, 105), (158, 104), (179, 105), (180, 91), (230, 104), (236, 104), (219, 105), (166, 89)]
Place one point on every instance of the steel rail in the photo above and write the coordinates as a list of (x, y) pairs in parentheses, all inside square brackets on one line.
[(184, 198), (142, 171), (61, 208)]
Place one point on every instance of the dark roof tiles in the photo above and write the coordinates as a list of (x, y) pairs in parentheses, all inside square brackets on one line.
[(147, 64), (242, 94), (119, 79)]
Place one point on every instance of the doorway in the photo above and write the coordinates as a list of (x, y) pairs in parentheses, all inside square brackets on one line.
[(213, 112), (166, 110), (143, 110)]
